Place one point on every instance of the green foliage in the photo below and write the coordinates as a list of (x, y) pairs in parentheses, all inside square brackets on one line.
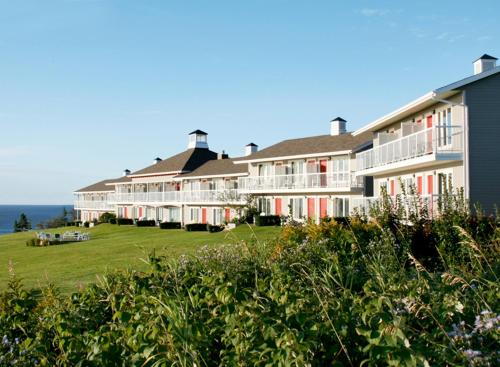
[(108, 218), (214, 228), (145, 223), (170, 225), (124, 221), (22, 224), (267, 220), (196, 227), (320, 294)]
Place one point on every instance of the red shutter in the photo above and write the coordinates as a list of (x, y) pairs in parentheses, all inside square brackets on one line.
[(419, 185), (204, 215), (430, 181), (125, 212), (323, 208), (277, 206), (429, 121), (311, 213), (392, 188), (140, 212), (228, 214), (322, 166)]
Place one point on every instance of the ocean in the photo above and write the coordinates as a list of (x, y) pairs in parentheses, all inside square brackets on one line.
[(35, 213)]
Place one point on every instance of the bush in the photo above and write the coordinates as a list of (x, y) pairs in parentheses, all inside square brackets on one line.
[(86, 224), (267, 220), (195, 227), (170, 225), (214, 229), (112, 221), (124, 221), (107, 217), (145, 223), (78, 223)]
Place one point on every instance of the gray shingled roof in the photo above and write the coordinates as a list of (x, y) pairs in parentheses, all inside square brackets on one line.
[(99, 186), (310, 145), (217, 167), (188, 160)]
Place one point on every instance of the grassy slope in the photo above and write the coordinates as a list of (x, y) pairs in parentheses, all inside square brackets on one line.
[(110, 247)]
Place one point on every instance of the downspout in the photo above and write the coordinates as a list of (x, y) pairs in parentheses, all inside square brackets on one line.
[(465, 137)]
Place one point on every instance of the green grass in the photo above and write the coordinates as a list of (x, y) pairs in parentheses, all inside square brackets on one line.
[(72, 265)]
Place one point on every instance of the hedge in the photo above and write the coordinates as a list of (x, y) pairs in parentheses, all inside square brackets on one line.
[(195, 227), (124, 221), (170, 225), (267, 220), (146, 223), (214, 229)]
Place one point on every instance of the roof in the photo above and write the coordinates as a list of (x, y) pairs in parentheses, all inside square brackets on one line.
[(425, 101), (188, 160), (252, 145), (199, 132), (97, 187), (311, 145), (486, 57), (219, 167), (122, 179), (338, 119)]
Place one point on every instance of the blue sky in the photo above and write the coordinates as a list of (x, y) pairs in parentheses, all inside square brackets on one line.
[(91, 87)]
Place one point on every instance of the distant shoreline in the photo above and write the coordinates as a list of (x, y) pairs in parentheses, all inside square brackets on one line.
[(36, 213)]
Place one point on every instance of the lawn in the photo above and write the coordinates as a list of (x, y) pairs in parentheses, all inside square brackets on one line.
[(72, 265)]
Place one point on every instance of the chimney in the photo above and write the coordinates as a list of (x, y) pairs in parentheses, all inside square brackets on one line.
[(251, 149), (222, 155), (484, 63), (157, 160), (337, 126), (126, 172), (198, 139)]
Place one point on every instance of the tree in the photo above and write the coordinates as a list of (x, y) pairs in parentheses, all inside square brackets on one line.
[(23, 224)]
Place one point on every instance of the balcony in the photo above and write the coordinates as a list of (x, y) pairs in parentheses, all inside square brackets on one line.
[(229, 196), (93, 205), (311, 182), (420, 149)]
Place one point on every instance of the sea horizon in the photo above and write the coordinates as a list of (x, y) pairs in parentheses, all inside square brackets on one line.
[(36, 213)]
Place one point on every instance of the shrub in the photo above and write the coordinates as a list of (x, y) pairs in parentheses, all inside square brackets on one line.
[(195, 227), (214, 229), (267, 220), (112, 221), (86, 224), (145, 223), (124, 221), (170, 225), (107, 217)]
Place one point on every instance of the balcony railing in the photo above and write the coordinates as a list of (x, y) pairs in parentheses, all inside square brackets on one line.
[(433, 203), (300, 181), (98, 205), (179, 197), (438, 139)]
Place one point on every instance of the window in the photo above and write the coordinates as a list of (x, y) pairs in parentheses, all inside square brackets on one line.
[(383, 187), (445, 128), (195, 215), (265, 169), (297, 208), (341, 207), (264, 205), (217, 216), (408, 184), (445, 183), (340, 169)]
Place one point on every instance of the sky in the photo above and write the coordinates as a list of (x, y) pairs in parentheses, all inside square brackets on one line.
[(91, 87)]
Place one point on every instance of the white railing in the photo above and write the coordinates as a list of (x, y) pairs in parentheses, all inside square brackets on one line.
[(436, 139), (100, 205), (179, 197), (363, 205), (300, 181)]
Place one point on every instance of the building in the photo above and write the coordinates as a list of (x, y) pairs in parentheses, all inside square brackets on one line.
[(444, 140)]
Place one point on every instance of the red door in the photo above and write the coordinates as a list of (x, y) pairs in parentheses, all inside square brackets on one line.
[(419, 185), (323, 208), (429, 134), (228, 214), (322, 171), (204, 215), (311, 213), (392, 188), (277, 206), (140, 212), (125, 212), (430, 181)]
